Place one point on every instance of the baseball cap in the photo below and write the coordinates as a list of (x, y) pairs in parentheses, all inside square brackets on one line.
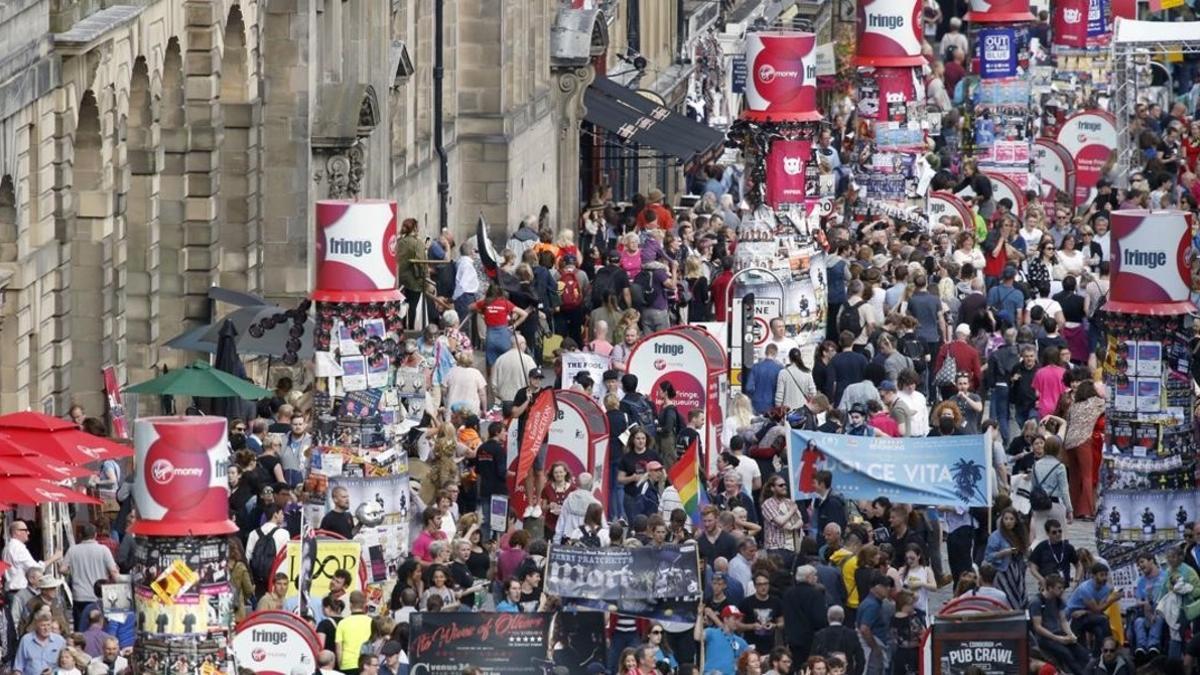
[(729, 611), (536, 373), (720, 576), (887, 385), (654, 466), (391, 648)]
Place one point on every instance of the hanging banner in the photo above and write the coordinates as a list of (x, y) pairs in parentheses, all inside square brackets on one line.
[(1055, 169), (998, 57), (889, 33), (116, 406), (939, 471), (649, 581), (999, 11), (495, 642), (782, 78), (574, 363), (1097, 21), (788, 166), (1070, 23), (180, 487), (1091, 138), (1149, 263), (885, 93)]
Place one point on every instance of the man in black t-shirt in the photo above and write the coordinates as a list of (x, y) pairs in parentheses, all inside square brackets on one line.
[(340, 519), (631, 468), (1054, 555), (1047, 613), (761, 615), (713, 541)]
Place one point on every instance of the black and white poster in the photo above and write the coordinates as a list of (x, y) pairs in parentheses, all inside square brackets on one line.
[(1149, 515), (650, 581), (992, 647)]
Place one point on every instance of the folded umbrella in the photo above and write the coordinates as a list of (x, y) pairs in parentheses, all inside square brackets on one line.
[(34, 491), (200, 379)]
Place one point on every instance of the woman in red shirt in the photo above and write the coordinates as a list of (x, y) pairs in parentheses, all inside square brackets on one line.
[(498, 314)]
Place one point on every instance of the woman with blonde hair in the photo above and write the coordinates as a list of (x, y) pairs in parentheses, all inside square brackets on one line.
[(700, 307), (739, 418), (566, 244)]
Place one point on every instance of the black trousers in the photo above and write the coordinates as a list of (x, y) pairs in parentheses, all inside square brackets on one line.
[(683, 645), (960, 548)]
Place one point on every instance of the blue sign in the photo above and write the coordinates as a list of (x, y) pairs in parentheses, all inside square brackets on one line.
[(938, 471), (738, 72), (997, 53), (1097, 20)]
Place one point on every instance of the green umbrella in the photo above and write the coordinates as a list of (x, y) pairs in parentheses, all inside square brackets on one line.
[(200, 379)]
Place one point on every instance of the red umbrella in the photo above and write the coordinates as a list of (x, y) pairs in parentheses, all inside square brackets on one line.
[(31, 466), (59, 439), (33, 491)]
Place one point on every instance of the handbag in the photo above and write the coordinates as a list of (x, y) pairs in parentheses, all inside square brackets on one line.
[(947, 373)]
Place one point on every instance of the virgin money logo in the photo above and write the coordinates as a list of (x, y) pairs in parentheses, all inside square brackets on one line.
[(259, 654), (94, 453), (767, 73), (50, 496), (162, 471), (1082, 138), (660, 364)]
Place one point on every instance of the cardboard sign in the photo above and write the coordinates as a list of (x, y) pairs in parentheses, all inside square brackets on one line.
[(332, 555)]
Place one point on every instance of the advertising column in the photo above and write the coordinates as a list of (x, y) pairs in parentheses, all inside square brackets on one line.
[(181, 591), (1147, 481), (1002, 123), (892, 124), (372, 384)]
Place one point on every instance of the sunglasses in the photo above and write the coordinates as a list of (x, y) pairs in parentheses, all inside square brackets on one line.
[(656, 632)]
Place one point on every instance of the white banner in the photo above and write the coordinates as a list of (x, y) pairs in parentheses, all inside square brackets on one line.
[(591, 363)]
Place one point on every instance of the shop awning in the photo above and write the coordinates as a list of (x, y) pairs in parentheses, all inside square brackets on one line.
[(642, 121)]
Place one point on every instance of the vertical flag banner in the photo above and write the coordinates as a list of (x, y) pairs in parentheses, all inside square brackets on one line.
[(685, 476), (537, 426)]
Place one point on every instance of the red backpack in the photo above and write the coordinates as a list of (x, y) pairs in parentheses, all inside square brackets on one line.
[(571, 293)]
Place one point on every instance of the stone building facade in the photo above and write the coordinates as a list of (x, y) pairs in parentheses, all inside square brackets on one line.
[(151, 150)]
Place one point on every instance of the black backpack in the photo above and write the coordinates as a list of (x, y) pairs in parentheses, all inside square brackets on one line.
[(643, 415), (1039, 499), (641, 289), (849, 319), (590, 538), (262, 558), (911, 347)]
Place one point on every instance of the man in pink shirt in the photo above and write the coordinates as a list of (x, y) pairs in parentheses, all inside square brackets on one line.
[(431, 531), (1048, 382)]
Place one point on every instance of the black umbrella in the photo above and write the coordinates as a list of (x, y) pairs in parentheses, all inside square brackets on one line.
[(227, 360)]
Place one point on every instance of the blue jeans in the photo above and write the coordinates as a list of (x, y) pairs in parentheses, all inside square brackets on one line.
[(1148, 633), (1092, 624), (1000, 411), (499, 340)]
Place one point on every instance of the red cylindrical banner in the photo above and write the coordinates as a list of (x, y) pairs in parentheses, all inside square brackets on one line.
[(1070, 23), (355, 250), (999, 11), (180, 485), (788, 164), (782, 83), (889, 33), (1149, 258)]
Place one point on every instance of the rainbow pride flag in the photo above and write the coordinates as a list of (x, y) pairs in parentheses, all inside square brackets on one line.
[(685, 476)]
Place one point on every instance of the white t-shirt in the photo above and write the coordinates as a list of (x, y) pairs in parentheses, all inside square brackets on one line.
[(1050, 305), (17, 555), (748, 469), (916, 403), (785, 345)]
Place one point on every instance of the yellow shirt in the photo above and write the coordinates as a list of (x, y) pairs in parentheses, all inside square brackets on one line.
[(352, 633), (848, 570)]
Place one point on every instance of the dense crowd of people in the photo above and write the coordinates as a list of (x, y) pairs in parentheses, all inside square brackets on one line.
[(988, 327)]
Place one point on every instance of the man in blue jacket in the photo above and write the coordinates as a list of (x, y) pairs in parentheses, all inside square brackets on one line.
[(759, 383)]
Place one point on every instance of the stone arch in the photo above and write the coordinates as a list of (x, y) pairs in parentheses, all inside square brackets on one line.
[(368, 111), (239, 160), (234, 67), (166, 233), (8, 220), (141, 215), (88, 163)]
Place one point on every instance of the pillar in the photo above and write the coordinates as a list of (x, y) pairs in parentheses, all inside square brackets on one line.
[(571, 84)]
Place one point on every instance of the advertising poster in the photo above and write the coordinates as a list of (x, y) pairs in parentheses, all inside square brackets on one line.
[(497, 643), (786, 166), (889, 33), (593, 364), (1144, 516), (1055, 169), (998, 56), (1090, 137), (332, 555), (949, 471), (650, 581), (991, 647), (382, 505), (275, 643), (354, 245)]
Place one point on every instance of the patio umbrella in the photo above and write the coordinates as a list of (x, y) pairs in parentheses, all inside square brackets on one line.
[(272, 341), (34, 491), (227, 361), (200, 380), (32, 466), (56, 439)]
